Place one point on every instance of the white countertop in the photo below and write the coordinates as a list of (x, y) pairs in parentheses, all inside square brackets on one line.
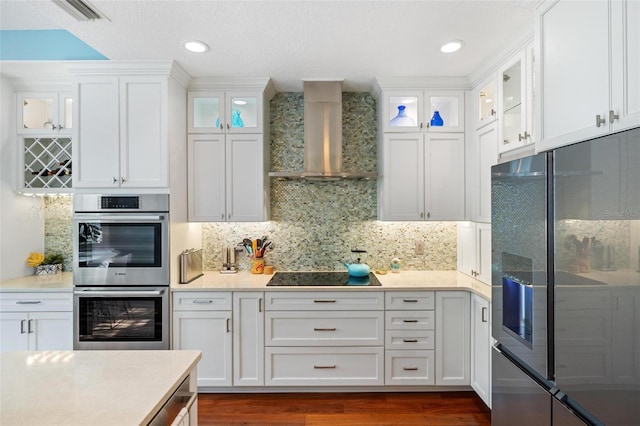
[(57, 282), (89, 387), (244, 280), (405, 280)]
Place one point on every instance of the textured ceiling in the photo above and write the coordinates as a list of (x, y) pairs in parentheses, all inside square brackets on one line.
[(292, 40)]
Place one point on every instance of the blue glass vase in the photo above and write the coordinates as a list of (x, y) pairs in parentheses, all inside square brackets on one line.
[(236, 120), (436, 120), (402, 119)]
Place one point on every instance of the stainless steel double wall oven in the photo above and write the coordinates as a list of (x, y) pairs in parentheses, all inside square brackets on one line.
[(121, 271)]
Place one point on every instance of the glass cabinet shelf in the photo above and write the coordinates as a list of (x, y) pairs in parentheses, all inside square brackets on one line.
[(47, 163)]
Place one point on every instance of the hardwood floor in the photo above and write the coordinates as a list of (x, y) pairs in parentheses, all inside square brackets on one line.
[(343, 409)]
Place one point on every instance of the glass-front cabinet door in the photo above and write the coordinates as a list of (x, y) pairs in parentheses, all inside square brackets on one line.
[(244, 112), (402, 111), (444, 111), (432, 111), (486, 103), (45, 112), (205, 110), (224, 112)]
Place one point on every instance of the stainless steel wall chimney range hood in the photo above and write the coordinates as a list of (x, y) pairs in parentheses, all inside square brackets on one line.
[(323, 135)]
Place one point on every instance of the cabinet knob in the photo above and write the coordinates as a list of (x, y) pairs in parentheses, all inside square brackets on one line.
[(613, 116), (115, 180), (228, 126), (600, 121), (493, 111), (428, 215), (122, 180), (421, 125), (221, 127)]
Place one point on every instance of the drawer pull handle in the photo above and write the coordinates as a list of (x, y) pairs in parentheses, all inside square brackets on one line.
[(410, 368), (30, 326), (319, 367), (410, 320), (324, 301), (410, 340), (410, 300), (28, 302), (203, 302), (324, 329), (22, 326), (484, 314)]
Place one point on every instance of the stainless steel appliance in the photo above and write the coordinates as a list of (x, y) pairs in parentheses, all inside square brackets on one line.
[(320, 279), (567, 331), (190, 265), (121, 240), (121, 271)]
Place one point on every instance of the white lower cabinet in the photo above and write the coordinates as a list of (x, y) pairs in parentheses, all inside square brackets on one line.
[(452, 338), (409, 338), (202, 321), (324, 338), (474, 250), (481, 348), (36, 321), (248, 339)]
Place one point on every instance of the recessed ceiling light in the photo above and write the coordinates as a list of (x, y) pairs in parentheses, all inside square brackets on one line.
[(451, 46), (195, 46)]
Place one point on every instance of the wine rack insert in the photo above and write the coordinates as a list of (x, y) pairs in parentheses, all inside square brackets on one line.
[(47, 162)]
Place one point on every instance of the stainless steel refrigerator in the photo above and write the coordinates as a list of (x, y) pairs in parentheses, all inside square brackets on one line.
[(566, 285)]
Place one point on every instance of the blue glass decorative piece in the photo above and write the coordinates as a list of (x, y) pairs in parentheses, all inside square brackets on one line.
[(217, 122), (236, 120), (436, 120), (402, 119)]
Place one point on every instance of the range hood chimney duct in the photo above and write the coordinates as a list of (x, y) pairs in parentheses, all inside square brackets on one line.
[(322, 134)]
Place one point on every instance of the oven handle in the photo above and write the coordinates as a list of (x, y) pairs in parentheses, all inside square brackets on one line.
[(108, 293), (119, 218)]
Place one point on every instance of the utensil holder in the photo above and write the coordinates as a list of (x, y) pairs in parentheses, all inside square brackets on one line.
[(257, 265)]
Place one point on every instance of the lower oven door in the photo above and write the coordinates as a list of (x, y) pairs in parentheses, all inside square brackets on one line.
[(121, 318)]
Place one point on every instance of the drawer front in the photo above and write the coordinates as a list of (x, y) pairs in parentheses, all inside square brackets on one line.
[(324, 301), (33, 302), (409, 368), (409, 300), (324, 366), (334, 328), (412, 340), (410, 320), (202, 301)]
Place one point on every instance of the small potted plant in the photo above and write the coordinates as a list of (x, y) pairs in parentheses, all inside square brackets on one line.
[(46, 265)]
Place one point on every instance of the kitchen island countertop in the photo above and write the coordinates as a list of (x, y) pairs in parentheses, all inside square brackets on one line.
[(405, 280), (89, 387)]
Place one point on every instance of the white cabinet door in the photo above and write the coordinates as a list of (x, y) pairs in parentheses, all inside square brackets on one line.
[(625, 64), (122, 133), (36, 331), (515, 103), (486, 97), (206, 177), (481, 348), (248, 339), (13, 332), (50, 331), (444, 176), (209, 332), (422, 177), (452, 338), (144, 129), (487, 156), (245, 187), (449, 106), (573, 71), (402, 186), (96, 148), (467, 248)]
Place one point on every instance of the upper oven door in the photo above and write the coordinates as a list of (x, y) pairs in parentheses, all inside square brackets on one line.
[(120, 249)]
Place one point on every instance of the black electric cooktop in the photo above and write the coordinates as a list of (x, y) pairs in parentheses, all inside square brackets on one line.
[(321, 279)]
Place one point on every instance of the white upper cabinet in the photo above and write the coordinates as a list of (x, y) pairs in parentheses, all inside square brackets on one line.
[(122, 134), (225, 112), (226, 178), (422, 110), (45, 112), (515, 91), (588, 73), (422, 177), (486, 96)]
